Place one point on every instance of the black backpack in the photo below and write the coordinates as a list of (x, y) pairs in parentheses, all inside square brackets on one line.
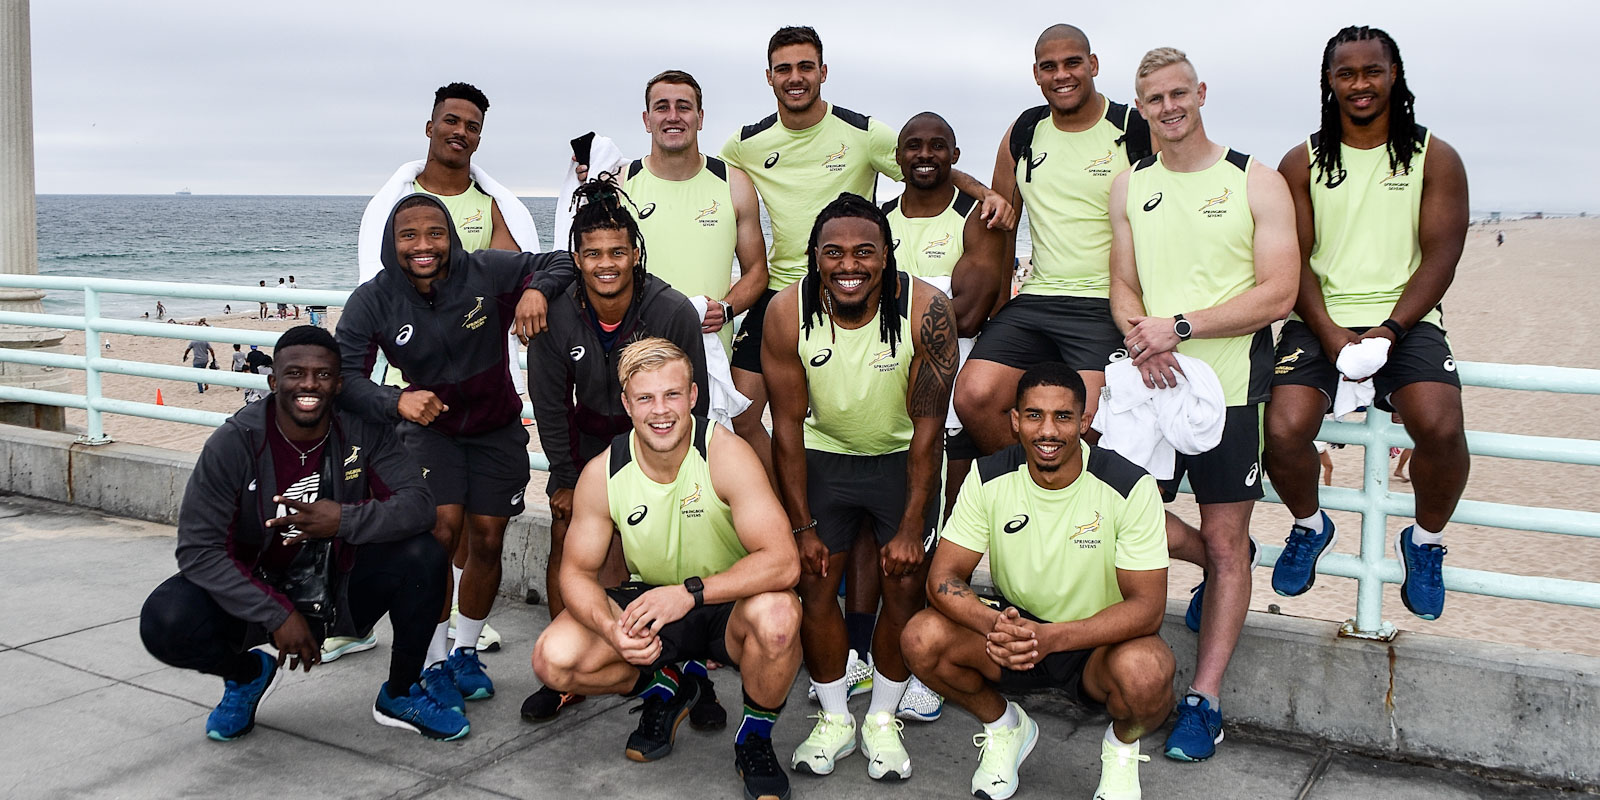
[(1135, 138)]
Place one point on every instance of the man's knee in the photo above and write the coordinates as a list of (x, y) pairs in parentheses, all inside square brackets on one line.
[(171, 617), (556, 655), (925, 637), (422, 554), (1142, 671), (487, 538), (1439, 429), (773, 619)]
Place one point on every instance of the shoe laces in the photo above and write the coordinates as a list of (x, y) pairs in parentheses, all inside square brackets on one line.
[(1192, 721), (1116, 772), (1429, 560), (991, 742), (826, 722), (883, 721), (756, 756), (1297, 545), (656, 716)]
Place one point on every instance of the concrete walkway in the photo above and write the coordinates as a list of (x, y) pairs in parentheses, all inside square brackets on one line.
[(86, 712)]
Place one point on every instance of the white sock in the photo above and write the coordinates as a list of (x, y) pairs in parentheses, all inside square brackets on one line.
[(1214, 701), (1421, 535), (1007, 720), (1111, 736), (439, 647), (455, 599), (1314, 522), (467, 631), (886, 694), (835, 696)]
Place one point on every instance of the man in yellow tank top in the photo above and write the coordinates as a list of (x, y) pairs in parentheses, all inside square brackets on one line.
[(1382, 212), (1202, 263), (1057, 161), (701, 214), (858, 358), (675, 485)]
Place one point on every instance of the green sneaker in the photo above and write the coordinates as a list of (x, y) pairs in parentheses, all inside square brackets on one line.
[(882, 744), (336, 646), (833, 738), (1002, 755), (1119, 772)]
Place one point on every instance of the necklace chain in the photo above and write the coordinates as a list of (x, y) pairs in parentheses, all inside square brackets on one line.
[(308, 451)]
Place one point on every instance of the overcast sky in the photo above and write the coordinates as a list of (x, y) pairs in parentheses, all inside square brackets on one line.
[(325, 97)]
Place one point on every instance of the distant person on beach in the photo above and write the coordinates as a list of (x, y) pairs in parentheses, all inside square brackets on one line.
[(459, 413), (1382, 219), (283, 308), (227, 309), (293, 285), (1202, 262), (1057, 161), (264, 499), (1499, 238), (161, 310), (202, 356), (238, 363), (263, 311)]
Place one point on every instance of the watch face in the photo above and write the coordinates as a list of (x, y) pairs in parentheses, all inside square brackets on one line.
[(1182, 327)]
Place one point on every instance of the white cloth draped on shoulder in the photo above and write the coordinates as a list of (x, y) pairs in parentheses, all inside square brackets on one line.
[(603, 157)]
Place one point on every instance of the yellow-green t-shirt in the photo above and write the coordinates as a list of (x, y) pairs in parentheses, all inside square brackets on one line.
[(690, 230), (797, 173), (929, 247), (1194, 245), (472, 211), (1056, 552), (671, 531), (1367, 245), (856, 382)]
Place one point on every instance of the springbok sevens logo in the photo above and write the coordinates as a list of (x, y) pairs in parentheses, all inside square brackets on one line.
[(881, 355), (936, 243), (477, 216), (1218, 200), (1100, 162), (706, 212), (1088, 527), (475, 309), (843, 148), (355, 450), (694, 497)]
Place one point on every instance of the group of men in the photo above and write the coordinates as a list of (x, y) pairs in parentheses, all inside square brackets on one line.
[(1151, 243)]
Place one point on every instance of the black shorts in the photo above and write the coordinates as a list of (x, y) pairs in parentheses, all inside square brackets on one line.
[(1032, 328), (1423, 356), (1229, 472), (488, 472), (747, 342), (701, 634), (1063, 670), (843, 490), (961, 446)]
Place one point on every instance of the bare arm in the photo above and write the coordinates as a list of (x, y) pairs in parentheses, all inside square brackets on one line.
[(996, 211), (785, 377), (933, 372), (500, 236), (1127, 297), (750, 247), (1277, 263), (950, 592), (981, 277), (1005, 185), (588, 539), (1442, 232), (773, 563)]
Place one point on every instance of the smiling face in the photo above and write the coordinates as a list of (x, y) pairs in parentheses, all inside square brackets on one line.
[(1049, 422), (1170, 99), (453, 132), (796, 74), (1065, 71), (422, 242), (925, 152), (304, 382), (1362, 76), (851, 255), (673, 118), (606, 258), (659, 402)]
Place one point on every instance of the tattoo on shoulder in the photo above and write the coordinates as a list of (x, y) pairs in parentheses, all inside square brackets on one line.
[(930, 393), (954, 587)]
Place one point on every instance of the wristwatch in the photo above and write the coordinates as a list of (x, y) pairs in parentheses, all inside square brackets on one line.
[(697, 588), (727, 312), (1184, 328)]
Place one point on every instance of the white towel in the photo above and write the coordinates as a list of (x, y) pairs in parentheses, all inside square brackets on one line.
[(1352, 395), (725, 402), (952, 423), (603, 157), (1357, 364), (1149, 426)]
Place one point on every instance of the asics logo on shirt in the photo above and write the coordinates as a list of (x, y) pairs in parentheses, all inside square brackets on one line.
[(638, 515), (649, 208), (1033, 163), (1337, 179), (821, 357), (1017, 523), (404, 335), (1255, 470), (576, 352), (1155, 200), (771, 161)]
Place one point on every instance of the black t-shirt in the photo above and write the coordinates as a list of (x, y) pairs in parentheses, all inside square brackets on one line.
[(296, 481)]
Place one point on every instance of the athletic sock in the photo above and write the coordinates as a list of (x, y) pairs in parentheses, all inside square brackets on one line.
[(467, 632), (1111, 736), (439, 646), (661, 684), (696, 668), (455, 598), (1214, 701), (1421, 535), (886, 694), (1007, 720), (1314, 522), (758, 720), (858, 626), (834, 696)]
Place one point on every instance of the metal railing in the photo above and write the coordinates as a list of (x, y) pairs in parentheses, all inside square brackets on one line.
[(1370, 569)]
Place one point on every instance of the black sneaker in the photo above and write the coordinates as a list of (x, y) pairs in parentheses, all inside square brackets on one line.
[(658, 723), (764, 778), (545, 704), (707, 714)]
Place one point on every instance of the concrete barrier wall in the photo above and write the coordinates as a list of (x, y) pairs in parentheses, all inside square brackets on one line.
[(1508, 709)]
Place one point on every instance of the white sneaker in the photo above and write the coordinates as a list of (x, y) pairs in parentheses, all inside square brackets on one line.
[(1002, 755), (919, 703), (1119, 772), (833, 738), (884, 747), (858, 671), (488, 638), (334, 647)]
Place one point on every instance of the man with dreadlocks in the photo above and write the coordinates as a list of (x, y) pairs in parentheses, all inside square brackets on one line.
[(573, 383), (1202, 263), (858, 357), (1382, 210)]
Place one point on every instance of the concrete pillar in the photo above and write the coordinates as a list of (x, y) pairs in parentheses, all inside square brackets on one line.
[(19, 247)]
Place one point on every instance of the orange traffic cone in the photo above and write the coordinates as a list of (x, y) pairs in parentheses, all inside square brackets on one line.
[(526, 422), (158, 398)]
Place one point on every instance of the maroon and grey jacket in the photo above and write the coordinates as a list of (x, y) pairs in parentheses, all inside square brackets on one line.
[(452, 343), (222, 532)]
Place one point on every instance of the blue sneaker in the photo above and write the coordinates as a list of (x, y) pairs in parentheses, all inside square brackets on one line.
[(1421, 569), (418, 711), (235, 716), (467, 671), (442, 687), (1296, 570), (1197, 732), (1197, 600)]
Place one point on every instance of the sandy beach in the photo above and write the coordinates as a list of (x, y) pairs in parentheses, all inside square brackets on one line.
[(1507, 305)]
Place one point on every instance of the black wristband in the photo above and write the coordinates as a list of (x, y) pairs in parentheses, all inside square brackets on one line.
[(1395, 328)]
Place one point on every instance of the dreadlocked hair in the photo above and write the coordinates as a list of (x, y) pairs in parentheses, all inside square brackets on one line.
[(1404, 139), (812, 305), (601, 205)]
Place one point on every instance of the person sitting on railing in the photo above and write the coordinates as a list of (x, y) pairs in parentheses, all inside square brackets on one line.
[(1382, 225), (270, 489)]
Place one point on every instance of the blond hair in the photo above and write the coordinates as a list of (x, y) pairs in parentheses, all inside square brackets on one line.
[(1162, 57), (649, 355)]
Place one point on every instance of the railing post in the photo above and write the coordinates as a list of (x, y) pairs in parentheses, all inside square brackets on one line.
[(91, 375), (1369, 622)]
